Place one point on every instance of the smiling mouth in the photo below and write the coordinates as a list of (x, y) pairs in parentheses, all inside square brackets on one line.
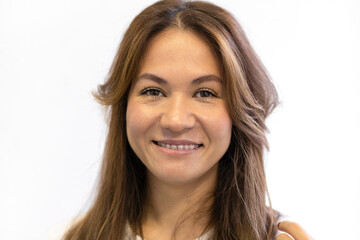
[(178, 146)]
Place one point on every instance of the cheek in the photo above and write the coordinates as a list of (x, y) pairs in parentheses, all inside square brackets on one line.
[(134, 122), (219, 126), (138, 121)]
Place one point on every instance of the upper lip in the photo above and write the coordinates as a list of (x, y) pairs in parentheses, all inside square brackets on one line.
[(177, 142)]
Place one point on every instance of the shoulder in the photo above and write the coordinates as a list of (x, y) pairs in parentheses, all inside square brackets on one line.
[(281, 235), (292, 230)]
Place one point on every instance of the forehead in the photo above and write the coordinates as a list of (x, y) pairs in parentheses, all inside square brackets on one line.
[(180, 53)]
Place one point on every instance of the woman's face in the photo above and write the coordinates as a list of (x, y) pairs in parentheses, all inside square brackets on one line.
[(176, 120)]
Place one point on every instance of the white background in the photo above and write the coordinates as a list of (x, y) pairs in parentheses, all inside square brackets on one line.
[(54, 53)]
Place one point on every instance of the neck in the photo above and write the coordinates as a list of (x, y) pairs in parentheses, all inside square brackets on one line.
[(178, 208)]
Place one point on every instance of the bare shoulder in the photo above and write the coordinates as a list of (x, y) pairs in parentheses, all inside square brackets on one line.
[(292, 230), (283, 236)]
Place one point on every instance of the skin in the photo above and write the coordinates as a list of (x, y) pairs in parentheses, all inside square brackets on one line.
[(177, 97), (294, 230), (187, 104)]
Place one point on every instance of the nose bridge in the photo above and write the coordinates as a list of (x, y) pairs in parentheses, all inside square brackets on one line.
[(178, 113)]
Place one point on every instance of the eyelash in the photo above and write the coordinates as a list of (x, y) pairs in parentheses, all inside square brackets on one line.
[(146, 91), (207, 91)]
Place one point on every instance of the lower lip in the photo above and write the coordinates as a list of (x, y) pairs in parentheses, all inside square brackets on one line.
[(176, 152)]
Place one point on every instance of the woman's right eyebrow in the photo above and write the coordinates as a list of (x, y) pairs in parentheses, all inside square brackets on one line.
[(153, 77)]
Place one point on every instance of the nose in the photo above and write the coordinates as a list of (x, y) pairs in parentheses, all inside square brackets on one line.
[(178, 114)]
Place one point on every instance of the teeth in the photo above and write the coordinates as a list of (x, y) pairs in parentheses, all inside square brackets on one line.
[(186, 147)]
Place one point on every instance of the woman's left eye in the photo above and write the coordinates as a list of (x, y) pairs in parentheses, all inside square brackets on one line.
[(205, 93)]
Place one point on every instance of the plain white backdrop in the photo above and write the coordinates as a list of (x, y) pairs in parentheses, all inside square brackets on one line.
[(54, 53)]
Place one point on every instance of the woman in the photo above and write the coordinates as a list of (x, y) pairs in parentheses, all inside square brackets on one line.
[(187, 99)]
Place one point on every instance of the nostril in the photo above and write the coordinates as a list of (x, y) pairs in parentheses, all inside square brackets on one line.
[(177, 123)]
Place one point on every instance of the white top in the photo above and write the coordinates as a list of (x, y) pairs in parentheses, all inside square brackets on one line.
[(130, 235), (57, 232)]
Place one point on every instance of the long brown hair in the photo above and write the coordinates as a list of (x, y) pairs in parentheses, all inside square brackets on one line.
[(239, 208)]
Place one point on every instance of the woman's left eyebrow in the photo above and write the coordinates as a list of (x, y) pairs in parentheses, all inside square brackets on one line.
[(199, 80), (207, 78)]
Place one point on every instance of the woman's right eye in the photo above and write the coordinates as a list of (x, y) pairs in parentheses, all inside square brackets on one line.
[(152, 92)]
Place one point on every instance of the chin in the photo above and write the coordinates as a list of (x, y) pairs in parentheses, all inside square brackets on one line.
[(183, 176)]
